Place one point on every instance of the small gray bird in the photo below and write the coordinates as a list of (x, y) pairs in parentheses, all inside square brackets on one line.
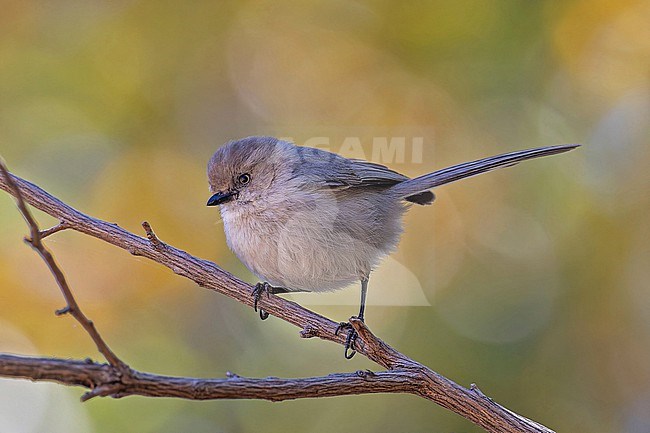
[(304, 219)]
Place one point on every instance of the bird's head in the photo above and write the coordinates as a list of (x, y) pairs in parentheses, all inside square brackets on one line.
[(243, 171)]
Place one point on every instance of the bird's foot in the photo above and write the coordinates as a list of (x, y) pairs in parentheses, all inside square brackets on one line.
[(351, 338), (258, 291)]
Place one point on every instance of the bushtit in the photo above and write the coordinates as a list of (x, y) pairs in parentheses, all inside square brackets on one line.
[(304, 219)]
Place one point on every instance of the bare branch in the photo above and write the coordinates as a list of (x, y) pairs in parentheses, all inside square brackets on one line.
[(118, 380), (72, 307), (102, 381)]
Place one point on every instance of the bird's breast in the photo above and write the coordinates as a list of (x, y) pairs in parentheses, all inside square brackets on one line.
[(300, 248)]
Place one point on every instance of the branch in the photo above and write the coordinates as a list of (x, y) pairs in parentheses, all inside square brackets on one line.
[(404, 375), (72, 307), (101, 377)]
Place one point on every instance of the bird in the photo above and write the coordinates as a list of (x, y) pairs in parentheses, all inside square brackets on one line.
[(304, 219)]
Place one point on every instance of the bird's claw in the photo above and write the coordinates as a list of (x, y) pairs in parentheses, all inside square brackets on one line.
[(349, 340), (261, 288)]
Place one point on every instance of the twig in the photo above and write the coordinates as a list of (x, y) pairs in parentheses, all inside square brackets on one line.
[(157, 243), (72, 307), (57, 228), (420, 380)]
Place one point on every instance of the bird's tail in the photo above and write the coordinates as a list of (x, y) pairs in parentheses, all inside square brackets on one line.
[(451, 174)]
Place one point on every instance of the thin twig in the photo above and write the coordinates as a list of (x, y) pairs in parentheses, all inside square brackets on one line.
[(72, 307), (55, 229), (157, 243)]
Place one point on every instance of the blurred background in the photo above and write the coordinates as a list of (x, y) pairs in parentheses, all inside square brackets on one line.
[(532, 281)]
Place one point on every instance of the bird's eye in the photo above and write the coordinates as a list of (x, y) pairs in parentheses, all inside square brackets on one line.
[(243, 179)]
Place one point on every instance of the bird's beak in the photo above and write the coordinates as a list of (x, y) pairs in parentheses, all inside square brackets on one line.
[(220, 198)]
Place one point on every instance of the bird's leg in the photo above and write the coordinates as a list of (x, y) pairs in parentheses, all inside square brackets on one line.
[(364, 290), (261, 288), (352, 334)]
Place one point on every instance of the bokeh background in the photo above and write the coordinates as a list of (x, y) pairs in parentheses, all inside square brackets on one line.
[(537, 276)]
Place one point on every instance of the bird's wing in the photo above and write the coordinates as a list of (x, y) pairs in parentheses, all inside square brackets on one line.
[(370, 174), (321, 168), (344, 173)]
